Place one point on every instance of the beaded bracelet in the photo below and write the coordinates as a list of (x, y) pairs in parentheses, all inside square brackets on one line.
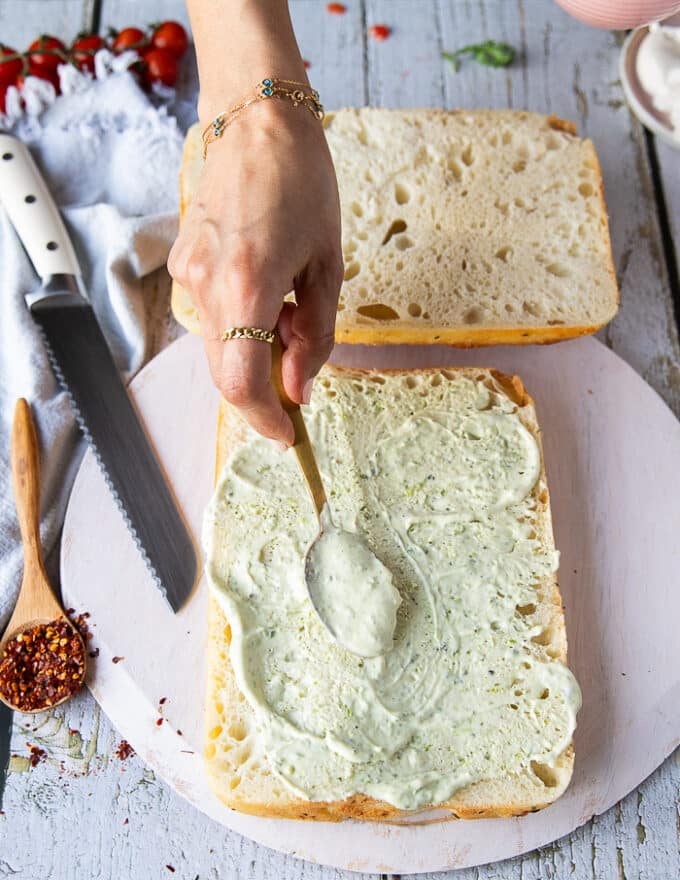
[(299, 94)]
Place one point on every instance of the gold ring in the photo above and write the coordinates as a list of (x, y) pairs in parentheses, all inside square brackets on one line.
[(248, 333)]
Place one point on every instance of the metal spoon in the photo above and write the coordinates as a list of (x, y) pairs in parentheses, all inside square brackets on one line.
[(350, 589), (37, 604)]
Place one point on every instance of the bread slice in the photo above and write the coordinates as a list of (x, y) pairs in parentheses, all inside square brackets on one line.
[(236, 760), (465, 227)]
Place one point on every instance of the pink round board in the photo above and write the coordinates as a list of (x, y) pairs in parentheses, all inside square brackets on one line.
[(612, 452)]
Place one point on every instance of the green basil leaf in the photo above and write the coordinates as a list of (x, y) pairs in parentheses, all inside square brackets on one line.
[(489, 53)]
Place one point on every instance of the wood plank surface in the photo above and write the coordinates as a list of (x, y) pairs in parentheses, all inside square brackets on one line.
[(669, 172), (22, 21), (335, 47), (83, 813)]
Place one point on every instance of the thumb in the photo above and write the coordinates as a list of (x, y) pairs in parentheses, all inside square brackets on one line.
[(307, 331)]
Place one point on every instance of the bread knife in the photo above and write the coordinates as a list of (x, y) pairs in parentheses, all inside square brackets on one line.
[(84, 366)]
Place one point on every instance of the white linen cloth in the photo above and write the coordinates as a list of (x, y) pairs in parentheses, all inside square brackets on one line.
[(111, 158)]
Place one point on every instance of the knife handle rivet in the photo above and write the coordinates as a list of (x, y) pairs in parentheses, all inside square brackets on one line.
[(7, 156), (29, 200), (51, 246)]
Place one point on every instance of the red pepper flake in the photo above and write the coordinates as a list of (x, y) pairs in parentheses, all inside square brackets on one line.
[(37, 755), (170, 868), (117, 659), (94, 654), (162, 701), (80, 623), (126, 822), (336, 8), (123, 752), (306, 64), (379, 32), (159, 722), (179, 733), (41, 666), (73, 731)]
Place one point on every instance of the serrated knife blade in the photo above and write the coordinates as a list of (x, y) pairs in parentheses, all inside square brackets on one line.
[(84, 366)]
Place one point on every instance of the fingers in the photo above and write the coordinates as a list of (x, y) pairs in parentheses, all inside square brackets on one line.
[(241, 369), (241, 296), (308, 330)]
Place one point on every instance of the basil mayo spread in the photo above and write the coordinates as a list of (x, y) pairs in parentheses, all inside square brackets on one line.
[(445, 487)]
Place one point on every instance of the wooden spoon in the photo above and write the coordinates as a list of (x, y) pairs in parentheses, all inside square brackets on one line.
[(36, 604), (302, 446), (334, 578)]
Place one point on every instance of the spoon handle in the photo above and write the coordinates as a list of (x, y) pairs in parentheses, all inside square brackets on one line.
[(302, 447), (26, 482)]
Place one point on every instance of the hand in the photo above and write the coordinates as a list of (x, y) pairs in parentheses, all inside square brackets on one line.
[(265, 220)]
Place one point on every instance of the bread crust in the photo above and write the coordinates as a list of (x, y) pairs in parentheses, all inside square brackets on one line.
[(475, 801), (384, 333), (458, 337)]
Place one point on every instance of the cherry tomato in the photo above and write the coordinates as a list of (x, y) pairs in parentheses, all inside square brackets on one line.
[(52, 55), (160, 66), (9, 69), (336, 8), (171, 36), (129, 38), (379, 32), (83, 49)]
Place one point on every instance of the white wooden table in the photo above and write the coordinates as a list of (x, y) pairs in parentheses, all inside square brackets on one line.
[(83, 813)]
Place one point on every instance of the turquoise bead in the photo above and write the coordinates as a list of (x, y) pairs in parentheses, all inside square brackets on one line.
[(266, 82)]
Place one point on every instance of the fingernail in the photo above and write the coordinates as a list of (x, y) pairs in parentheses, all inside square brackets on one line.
[(307, 390), (279, 445)]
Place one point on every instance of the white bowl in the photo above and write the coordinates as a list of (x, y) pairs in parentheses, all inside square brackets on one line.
[(639, 100)]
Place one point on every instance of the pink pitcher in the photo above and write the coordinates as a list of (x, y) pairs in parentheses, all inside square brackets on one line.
[(620, 13)]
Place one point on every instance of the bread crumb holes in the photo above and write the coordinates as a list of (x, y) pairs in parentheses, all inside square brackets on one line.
[(473, 316), (402, 194), (404, 242), (546, 774), (237, 731), (395, 227), (352, 271), (455, 169), (378, 312)]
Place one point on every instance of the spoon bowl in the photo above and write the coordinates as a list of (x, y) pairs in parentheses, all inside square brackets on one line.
[(351, 590), (36, 605)]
